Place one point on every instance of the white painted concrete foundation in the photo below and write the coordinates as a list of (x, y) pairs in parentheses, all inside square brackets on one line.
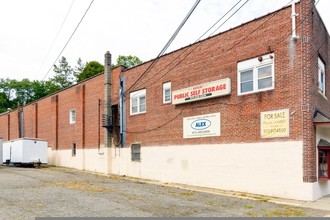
[(270, 168), (88, 159)]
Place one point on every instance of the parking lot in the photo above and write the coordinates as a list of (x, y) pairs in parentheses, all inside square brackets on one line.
[(26, 193)]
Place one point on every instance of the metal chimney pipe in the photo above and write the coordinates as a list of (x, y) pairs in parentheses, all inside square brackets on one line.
[(107, 97)]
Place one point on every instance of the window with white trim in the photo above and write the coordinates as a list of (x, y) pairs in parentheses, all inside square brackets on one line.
[(256, 74), (167, 92), (321, 76), (138, 102), (72, 116)]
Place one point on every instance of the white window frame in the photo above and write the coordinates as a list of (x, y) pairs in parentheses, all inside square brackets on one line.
[(254, 65), (73, 116), (321, 76), (136, 97), (167, 87)]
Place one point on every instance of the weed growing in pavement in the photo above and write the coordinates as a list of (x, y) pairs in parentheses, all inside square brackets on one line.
[(286, 212), (82, 186), (248, 206)]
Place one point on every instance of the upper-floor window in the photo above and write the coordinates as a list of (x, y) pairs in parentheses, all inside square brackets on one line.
[(167, 92), (138, 102), (321, 76), (72, 116), (255, 75)]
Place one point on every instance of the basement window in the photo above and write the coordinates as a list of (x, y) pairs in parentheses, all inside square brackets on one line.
[(324, 159), (72, 116), (74, 149), (256, 75), (136, 152), (167, 92), (138, 102)]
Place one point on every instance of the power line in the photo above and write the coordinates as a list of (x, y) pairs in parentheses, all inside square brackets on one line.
[(167, 44), (82, 18), (229, 17), (51, 47), (221, 103), (218, 20), (184, 50)]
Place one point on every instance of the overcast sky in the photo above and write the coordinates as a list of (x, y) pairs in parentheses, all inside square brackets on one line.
[(124, 27)]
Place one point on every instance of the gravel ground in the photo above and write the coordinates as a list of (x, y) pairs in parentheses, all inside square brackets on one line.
[(26, 193)]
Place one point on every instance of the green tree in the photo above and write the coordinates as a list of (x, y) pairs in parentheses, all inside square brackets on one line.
[(91, 68), (128, 61), (4, 102), (41, 89), (64, 74), (5, 87), (25, 91), (78, 69)]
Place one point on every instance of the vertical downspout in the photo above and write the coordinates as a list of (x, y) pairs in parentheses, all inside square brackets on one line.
[(8, 138), (36, 120), (19, 120), (293, 17), (83, 124), (107, 110), (122, 111)]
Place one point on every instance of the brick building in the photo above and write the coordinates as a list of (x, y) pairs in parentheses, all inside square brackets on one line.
[(245, 110)]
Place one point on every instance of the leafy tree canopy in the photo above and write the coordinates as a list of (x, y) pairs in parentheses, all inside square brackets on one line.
[(91, 69), (128, 61), (25, 91)]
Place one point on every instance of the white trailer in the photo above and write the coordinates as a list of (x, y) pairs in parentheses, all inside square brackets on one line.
[(25, 151)]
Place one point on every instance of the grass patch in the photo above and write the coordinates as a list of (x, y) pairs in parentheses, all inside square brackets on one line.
[(82, 186), (211, 203), (248, 207), (286, 212), (186, 194), (252, 214)]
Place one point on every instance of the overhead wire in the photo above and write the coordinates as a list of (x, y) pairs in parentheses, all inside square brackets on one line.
[(196, 46), (184, 50), (167, 44), (82, 18), (221, 103), (58, 32), (180, 113)]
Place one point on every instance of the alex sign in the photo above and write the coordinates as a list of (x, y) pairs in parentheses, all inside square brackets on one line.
[(201, 126), (203, 91), (275, 123)]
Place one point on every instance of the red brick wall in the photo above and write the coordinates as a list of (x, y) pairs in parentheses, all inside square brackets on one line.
[(30, 127), (49, 117), (44, 120), (315, 43), (4, 127), (13, 125), (214, 59)]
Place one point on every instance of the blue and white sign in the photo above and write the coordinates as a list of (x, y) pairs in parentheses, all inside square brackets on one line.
[(201, 126)]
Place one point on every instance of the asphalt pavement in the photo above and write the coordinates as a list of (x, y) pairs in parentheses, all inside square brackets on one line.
[(26, 193)]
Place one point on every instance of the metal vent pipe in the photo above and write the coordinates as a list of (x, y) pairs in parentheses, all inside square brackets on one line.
[(107, 96)]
